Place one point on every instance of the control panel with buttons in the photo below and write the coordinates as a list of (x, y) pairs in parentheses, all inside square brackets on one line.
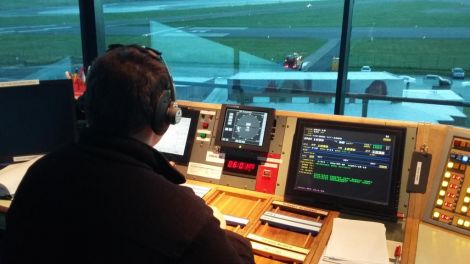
[(451, 202)]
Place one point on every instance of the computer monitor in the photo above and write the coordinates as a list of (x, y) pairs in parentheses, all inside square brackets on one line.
[(176, 144), (352, 168), (36, 117), (245, 128)]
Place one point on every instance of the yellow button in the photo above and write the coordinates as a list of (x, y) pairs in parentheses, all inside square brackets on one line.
[(464, 209)]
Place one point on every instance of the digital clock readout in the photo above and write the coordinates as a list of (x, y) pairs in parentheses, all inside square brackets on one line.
[(240, 167)]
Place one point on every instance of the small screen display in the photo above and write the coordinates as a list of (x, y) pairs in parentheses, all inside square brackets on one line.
[(244, 128)]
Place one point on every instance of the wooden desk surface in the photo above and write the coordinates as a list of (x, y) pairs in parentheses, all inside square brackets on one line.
[(437, 246)]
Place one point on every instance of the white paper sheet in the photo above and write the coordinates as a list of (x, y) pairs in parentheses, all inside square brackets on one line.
[(354, 241)]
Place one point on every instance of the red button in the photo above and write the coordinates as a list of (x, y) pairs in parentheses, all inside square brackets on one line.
[(205, 125)]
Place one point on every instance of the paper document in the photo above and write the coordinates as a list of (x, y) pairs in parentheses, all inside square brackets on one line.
[(11, 176), (354, 241), (174, 139), (200, 191)]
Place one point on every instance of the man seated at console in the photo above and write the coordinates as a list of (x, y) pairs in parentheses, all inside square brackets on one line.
[(112, 198)]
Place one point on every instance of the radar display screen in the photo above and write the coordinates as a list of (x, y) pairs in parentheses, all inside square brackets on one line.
[(348, 167), (245, 127)]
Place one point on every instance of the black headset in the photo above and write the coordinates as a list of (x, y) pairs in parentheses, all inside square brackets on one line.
[(166, 111)]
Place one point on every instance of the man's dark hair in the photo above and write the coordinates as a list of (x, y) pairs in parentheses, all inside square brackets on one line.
[(123, 87)]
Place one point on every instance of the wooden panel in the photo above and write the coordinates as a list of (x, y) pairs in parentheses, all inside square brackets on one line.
[(200, 105), (313, 242), (251, 205), (430, 137), (360, 120), (240, 205)]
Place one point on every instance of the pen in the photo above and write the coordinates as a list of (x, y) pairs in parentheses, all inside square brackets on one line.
[(397, 254)]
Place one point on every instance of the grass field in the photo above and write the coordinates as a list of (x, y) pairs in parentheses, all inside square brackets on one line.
[(35, 49), (277, 47), (399, 55), (329, 14), (410, 55), (6, 5)]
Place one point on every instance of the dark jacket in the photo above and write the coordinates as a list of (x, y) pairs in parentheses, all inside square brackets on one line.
[(113, 200)]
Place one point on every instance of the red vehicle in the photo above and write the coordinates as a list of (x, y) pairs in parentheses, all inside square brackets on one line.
[(293, 61)]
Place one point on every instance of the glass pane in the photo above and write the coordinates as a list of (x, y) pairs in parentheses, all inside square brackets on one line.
[(267, 53), (40, 39), (407, 50)]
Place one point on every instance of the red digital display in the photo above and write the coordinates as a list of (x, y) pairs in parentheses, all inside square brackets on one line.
[(241, 166)]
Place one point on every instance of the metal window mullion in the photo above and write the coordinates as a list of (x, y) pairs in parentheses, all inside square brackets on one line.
[(341, 84), (91, 30)]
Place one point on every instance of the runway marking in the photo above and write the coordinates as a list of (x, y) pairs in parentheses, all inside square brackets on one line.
[(219, 28), (42, 29), (162, 31), (197, 34), (55, 28), (117, 25), (27, 27)]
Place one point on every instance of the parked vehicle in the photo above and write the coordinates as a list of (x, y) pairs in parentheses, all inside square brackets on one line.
[(293, 61), (437, 82), (458, 73), (407, 80), (366, 68)]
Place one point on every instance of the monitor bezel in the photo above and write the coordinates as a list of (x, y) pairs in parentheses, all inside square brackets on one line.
[(71, 123), (193, 114), (238, 146), (344, 204)]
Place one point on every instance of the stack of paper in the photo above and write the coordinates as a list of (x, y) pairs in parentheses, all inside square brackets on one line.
[(354, 241), (200, 191)]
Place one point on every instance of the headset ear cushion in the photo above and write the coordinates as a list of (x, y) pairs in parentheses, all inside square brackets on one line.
[(174, 113), (160, 118)]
